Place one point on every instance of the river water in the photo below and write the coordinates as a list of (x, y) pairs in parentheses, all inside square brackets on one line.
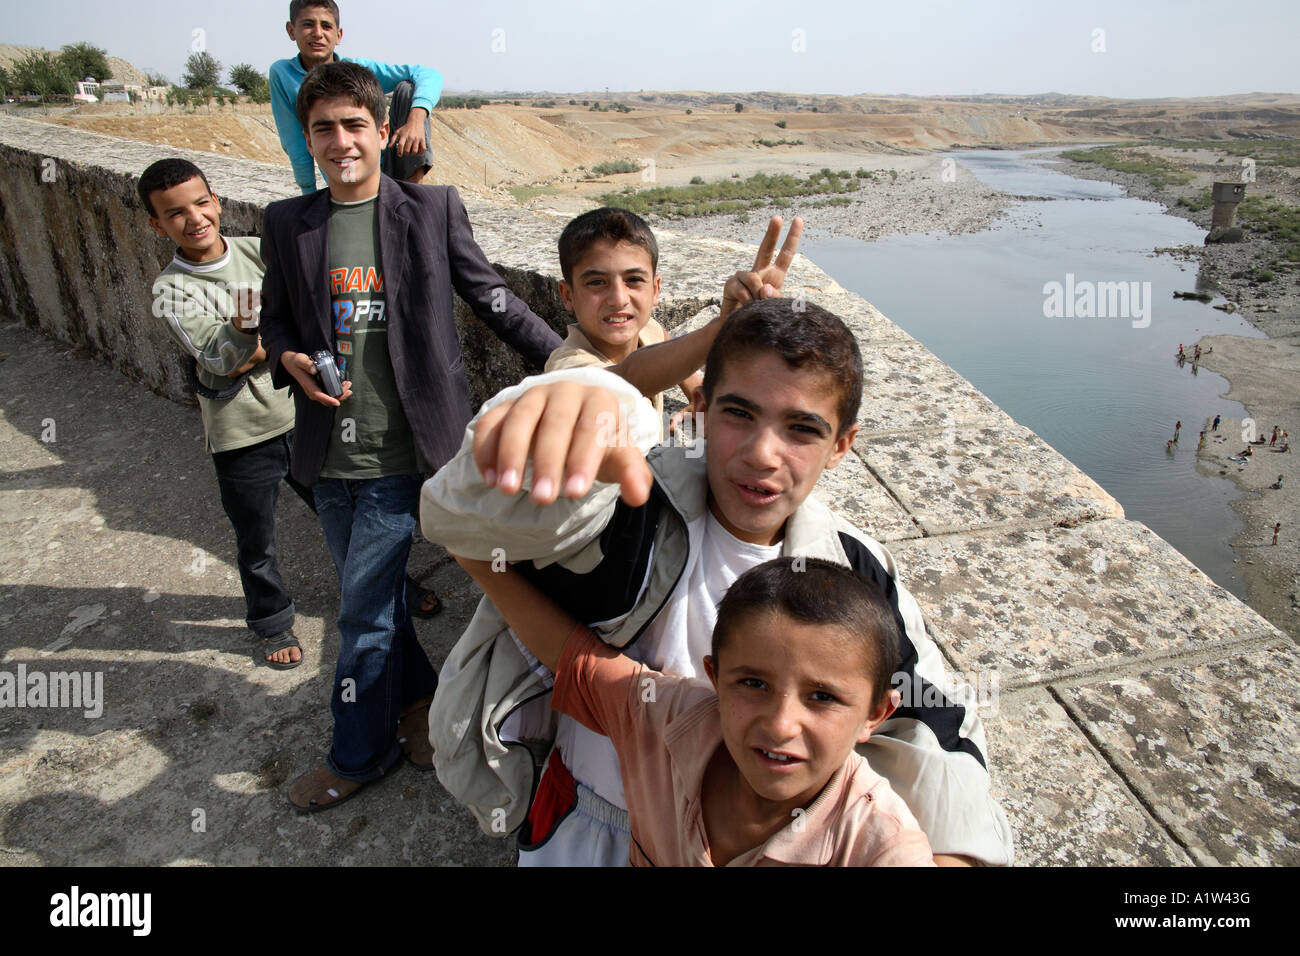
[(1105, 390)]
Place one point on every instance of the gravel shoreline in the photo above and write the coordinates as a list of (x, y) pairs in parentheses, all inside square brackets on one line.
[(938, 197)]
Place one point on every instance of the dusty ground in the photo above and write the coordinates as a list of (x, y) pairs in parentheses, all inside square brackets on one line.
[(1264, 373), (118, 560)]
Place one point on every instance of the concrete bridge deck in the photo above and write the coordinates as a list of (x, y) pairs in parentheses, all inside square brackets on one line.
[(1137, 713)]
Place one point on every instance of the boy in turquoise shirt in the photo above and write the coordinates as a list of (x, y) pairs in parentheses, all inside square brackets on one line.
[(314, 26)]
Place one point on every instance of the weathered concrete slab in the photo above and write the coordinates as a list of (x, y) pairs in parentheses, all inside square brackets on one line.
[(850, 489), (972, 477), (1044, 604), (1065, 805), (907, 390), (1213, 746)]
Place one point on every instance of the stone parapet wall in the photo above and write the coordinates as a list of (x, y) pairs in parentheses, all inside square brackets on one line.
[(1136, 713)]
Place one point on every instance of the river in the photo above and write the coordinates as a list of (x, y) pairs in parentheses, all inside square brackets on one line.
[(1105, 391)]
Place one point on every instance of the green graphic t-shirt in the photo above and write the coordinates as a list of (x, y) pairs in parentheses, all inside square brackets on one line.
[(371, 437)]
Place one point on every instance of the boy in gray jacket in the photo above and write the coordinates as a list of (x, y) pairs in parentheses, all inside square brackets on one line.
[(641, 548)]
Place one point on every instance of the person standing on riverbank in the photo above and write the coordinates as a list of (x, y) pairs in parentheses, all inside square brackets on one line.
[(1277, 526), (1217, 419)]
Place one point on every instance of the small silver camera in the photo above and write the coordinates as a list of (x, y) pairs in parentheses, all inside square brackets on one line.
[(328, 372)]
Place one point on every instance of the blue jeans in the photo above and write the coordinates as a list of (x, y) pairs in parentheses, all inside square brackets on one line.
[(381, 667)]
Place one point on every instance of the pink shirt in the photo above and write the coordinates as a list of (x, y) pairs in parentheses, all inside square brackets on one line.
[(666, 729)]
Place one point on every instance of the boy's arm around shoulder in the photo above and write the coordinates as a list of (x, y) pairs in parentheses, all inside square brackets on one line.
[(471, 518), (597, 685), (655, 368), (486, 293)]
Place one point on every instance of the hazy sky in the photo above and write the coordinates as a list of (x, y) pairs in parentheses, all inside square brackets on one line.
[(1131, 48)]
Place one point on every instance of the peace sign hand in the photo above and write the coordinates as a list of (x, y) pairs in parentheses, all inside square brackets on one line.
[(767, 277)]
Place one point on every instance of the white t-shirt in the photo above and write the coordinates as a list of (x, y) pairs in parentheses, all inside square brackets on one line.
[(676, 642)]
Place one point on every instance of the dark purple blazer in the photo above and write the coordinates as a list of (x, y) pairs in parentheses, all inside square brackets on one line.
[(426, 249)]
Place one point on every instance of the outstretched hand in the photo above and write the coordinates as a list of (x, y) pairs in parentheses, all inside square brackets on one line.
[(767, 277), (574, 434)]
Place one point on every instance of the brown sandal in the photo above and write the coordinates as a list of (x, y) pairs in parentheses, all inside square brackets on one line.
[(413, 734), (321, 789)]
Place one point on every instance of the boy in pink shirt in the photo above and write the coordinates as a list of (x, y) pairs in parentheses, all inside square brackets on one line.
[(755, 767)]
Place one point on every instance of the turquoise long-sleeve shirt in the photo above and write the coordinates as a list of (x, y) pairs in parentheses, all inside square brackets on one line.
[(287, 75)]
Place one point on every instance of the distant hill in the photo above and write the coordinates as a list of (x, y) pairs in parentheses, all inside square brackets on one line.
[(123, 71)]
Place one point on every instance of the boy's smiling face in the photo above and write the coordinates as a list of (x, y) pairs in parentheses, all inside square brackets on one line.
[(613, 295), (771, 432), (793, 698), (345, 142), (190, 216), (316, 33)]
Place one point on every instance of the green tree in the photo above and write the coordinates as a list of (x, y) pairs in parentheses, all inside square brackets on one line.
[(202, 70), (83, 59), (157, 79), (245, 78), (6, 81), (740, 107), (250, 82), (41, 73)]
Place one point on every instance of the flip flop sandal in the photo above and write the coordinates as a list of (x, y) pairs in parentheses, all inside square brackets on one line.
[(321, 789), (278, 642), (416, 608), (413, 735)]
